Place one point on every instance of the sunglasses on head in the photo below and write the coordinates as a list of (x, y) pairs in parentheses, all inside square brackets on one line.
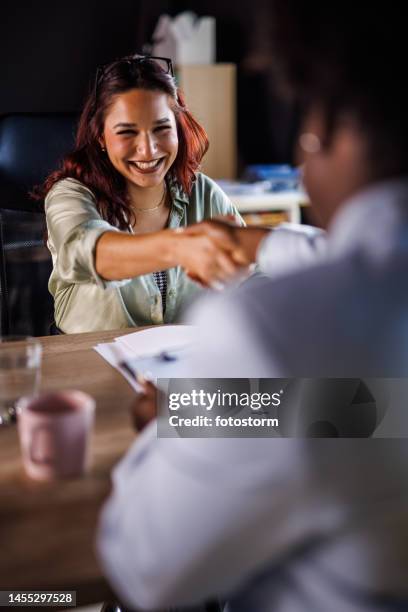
[(164, 63)]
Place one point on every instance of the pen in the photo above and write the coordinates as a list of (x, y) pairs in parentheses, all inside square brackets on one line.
[(132, 373), (172, 354)]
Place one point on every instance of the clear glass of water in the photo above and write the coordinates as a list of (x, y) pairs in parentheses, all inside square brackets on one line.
[(20, 372)]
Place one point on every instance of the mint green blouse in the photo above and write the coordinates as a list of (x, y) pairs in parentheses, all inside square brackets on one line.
[(84, 301)]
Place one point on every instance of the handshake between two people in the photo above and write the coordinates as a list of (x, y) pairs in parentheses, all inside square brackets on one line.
[(212, 252), (219, 250)]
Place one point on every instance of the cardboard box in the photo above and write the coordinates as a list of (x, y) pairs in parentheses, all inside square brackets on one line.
[(211, 96)]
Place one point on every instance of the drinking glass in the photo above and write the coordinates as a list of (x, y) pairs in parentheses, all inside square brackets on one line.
[(20, 372)]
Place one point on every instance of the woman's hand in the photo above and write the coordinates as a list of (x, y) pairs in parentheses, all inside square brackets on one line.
[(222, 231), (241, 243), (205, 256)]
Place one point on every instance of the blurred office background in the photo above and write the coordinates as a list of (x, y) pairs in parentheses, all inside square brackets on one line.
[(49, 51)]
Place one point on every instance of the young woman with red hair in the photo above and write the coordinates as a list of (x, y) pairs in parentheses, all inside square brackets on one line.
[(117, 207)]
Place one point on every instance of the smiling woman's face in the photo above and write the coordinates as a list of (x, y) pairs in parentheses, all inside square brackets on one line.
[(140, 136)]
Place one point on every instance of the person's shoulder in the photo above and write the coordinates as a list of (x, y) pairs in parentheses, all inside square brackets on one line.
[(204, 184), (69, 187), (209, 193)]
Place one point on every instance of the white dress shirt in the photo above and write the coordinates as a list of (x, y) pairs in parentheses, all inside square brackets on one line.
[(281, 525)]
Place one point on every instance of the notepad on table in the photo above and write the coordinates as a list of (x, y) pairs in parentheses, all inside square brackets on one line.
[(143, 351)]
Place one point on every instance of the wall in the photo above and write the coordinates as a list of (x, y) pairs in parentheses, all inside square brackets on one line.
[(50, 50)]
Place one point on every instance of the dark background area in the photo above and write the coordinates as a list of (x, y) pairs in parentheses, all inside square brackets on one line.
[(50, 50)]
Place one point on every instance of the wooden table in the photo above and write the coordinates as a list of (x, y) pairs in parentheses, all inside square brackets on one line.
[(47, 530)]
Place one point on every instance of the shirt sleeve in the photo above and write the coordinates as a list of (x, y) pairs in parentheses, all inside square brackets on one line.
[(289, 247), (225, 206), (216, 202), (74, 227)]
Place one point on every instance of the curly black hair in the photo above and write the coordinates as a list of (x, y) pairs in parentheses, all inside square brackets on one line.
[(348, 57)]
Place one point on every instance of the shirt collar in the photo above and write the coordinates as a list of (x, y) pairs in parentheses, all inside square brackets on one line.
[(372, 218), (176, 192)]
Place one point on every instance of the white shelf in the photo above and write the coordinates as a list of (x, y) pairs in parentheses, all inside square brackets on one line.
[(289, 201)]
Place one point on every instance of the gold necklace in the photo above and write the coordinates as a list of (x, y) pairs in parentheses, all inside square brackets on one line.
[(154, 207)]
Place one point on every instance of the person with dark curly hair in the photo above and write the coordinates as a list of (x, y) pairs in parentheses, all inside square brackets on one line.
[(295, 525), (116, 207)]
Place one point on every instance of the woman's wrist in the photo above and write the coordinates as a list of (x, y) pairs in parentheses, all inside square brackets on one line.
[(172, 247)]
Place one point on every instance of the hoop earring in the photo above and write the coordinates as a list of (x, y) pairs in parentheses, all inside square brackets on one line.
[(310, 143)]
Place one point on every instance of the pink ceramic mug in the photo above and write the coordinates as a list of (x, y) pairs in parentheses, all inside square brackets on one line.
[(54, 431)]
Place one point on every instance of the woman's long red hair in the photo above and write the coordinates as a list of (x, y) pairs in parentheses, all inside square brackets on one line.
[(90, 165)]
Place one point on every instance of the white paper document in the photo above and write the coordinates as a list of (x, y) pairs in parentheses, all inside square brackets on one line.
[(157, 339), (159, 352)]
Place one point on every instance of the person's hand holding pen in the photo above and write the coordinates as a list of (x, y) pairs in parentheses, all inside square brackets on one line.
[(144, 408)]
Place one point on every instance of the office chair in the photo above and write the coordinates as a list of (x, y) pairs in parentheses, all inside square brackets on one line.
[(31, 146)]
